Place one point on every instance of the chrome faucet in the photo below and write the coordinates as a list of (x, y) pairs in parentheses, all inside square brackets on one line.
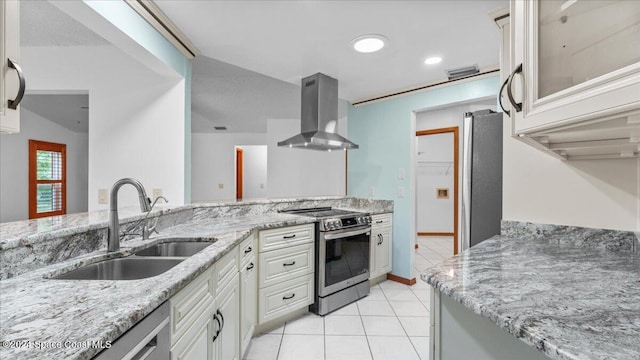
[(113, 238)]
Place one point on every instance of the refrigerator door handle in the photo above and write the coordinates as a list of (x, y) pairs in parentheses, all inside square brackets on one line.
[(465, 221)]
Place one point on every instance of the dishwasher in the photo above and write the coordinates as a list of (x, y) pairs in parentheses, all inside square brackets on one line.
[(149, 339)]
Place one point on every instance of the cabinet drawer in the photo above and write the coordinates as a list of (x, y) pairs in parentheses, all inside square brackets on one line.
[(285, 297), (284, 264), (280, 238), (188, 304), (248, 250), (381, 220), (226, 268)]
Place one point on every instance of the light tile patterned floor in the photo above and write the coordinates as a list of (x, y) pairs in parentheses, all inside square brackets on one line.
[(392, 323)]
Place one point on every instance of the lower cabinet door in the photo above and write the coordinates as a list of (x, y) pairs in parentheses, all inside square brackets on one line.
[(383, 252), (248, 303), (197, 342), (228, 310)]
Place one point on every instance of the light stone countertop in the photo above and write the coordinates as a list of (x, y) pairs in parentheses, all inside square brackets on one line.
[(572, 293), (33, 308)]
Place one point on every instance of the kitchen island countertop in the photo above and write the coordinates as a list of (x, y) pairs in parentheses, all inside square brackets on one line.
[(572, 293), (66, 316)]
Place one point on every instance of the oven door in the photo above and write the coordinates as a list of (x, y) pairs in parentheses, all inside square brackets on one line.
[(343, 259)]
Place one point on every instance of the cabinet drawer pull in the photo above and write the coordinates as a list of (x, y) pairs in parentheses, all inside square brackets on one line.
[(289, 264), (506, 81), (379, 221), (248, 250), (289, 297), (516, 106), (289, 236), (13, 104), (250, 266)]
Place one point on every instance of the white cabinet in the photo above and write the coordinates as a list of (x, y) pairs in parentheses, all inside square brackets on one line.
[(11, 78), (574, 85), (381, 245), (286, 276), (227, 344), (197, 343), (205, 315), (248, 291)]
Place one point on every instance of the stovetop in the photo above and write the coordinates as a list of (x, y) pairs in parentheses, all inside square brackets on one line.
[(333, 219), (321, 212)]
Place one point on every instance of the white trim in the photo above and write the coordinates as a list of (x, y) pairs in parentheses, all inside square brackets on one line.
[(150, 12), (484, 73)]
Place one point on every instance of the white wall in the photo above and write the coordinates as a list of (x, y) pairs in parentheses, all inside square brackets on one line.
[(136, 117), (300, 172), (254, 171), (14, 165), (213, 163), (434, 170), (593, 193)]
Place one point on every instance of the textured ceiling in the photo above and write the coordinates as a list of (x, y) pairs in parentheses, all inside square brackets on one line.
[(67, 110), (226, 95), (42, 24), (289, 40)]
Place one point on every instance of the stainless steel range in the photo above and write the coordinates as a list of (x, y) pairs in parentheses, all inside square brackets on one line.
[(342, 256)]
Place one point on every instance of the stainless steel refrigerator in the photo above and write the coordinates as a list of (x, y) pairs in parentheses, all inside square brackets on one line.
[(481, 176)]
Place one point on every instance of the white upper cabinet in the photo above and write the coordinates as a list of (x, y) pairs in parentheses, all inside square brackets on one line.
[(11, 78), (574, 84)]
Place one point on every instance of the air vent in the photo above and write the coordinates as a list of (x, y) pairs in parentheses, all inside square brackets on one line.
[(220, 127), (458, 73)]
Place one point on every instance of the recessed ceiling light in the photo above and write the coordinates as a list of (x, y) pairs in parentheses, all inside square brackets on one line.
[(369, 43), (433, 60)]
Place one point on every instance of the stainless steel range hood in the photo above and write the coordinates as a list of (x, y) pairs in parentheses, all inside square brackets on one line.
[(319, 118)]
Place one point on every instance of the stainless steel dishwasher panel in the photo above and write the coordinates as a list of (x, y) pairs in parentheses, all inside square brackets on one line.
[(149, 339)]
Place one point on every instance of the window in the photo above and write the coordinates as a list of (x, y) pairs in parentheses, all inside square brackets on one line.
[(47, 179)]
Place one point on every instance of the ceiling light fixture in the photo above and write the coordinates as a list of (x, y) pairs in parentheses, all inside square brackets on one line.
[(369, 43), (433, 60)]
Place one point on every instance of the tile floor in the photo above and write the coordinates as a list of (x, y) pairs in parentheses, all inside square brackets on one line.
[(389, 324)]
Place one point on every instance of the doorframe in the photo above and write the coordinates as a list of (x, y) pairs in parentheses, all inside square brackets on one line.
[(239, 172), (456, 148)]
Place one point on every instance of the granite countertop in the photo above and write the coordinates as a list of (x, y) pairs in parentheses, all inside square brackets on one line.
[(36, 309), (570, 294)]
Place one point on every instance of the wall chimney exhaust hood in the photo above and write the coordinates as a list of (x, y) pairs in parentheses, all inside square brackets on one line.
[(319, 117)]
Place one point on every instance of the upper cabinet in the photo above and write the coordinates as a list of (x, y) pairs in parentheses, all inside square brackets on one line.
[(574, 83), (11, 79)]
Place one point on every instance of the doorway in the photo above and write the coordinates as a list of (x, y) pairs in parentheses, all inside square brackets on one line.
[(437, 193), (239, 172)]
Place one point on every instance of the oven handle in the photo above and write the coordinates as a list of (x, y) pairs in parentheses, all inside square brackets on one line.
[(332, 236)]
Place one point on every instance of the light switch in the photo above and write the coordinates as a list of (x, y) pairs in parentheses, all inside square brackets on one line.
[(261, 186), (400, 191), (372, 191), (400, 173), (103, 195), (220, 186), (155, 193)]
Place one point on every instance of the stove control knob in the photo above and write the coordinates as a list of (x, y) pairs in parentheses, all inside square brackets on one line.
[(337, 224)]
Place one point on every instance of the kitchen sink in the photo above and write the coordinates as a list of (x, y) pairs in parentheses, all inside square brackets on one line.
[(175, 248), (121, 269)]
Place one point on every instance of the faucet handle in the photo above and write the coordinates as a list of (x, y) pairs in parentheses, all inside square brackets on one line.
[(148, 230)]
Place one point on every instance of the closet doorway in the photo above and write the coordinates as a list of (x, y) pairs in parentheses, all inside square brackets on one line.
[(437, 199)]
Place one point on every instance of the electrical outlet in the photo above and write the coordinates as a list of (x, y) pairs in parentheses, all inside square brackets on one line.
[(261, 186), (103, 195), (400, 191), (155, 193), (400, 173), (372, 191), (220, 186)]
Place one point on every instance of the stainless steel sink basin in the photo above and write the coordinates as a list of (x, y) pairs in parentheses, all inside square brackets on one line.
[(176, 248), (121, 269)]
